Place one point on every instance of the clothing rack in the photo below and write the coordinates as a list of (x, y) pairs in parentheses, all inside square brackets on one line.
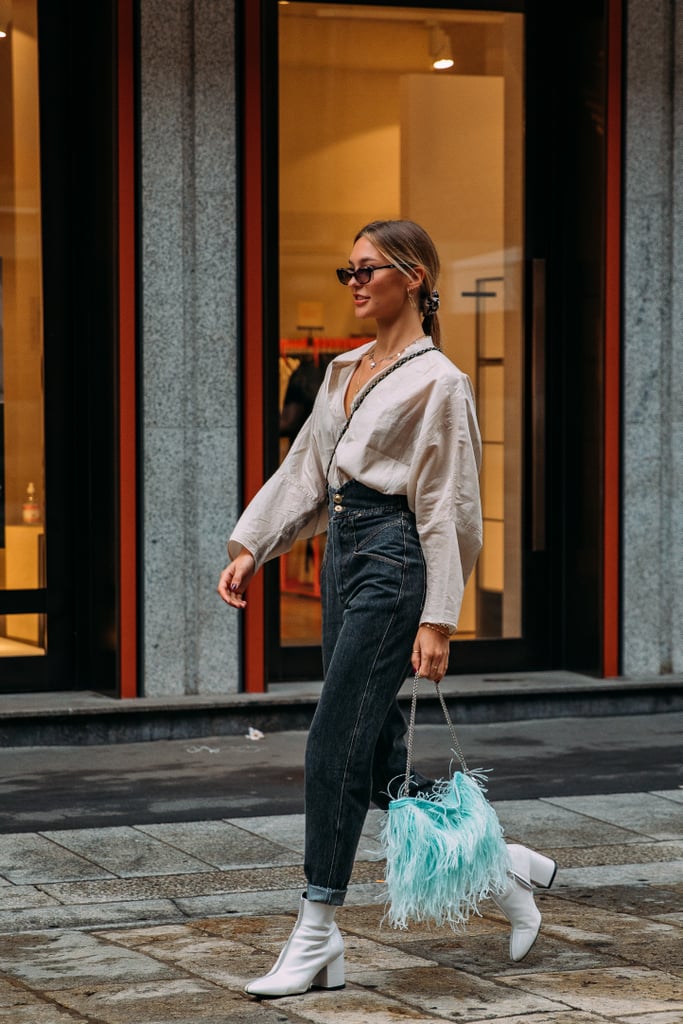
[(312, 348), (316, 346)]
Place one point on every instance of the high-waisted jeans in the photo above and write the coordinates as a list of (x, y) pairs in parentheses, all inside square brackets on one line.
[(373, 588)]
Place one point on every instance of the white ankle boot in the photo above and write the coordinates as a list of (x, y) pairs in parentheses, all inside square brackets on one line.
[(313, 955), (517, 902)]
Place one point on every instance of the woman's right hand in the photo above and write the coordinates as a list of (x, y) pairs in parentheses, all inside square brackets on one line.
[(235, 579)]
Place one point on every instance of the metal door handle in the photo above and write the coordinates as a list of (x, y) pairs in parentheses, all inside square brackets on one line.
[(538, 411)]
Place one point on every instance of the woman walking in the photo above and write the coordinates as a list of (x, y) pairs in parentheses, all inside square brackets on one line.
[(388, 463)]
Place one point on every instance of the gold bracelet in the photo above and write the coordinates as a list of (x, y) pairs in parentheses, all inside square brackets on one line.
[(439, 627)]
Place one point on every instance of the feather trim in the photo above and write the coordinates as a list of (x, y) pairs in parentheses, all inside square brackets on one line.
[(445, 853)]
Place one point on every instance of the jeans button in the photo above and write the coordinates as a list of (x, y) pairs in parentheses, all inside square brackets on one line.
[(337, 497), (337, 508)]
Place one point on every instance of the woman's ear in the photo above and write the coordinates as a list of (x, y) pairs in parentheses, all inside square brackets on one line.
[(417, 274)]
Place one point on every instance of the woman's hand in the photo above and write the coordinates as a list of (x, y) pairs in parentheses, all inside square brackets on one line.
[(430, 654), (236, 578)]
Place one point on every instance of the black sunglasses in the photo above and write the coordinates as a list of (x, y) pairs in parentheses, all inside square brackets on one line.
[(362, 274)]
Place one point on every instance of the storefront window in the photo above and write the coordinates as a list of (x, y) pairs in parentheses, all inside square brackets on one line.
[(369, 128), (22, 475)]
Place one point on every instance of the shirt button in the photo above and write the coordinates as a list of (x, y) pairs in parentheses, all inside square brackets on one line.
[(337, 497), (337, 508)]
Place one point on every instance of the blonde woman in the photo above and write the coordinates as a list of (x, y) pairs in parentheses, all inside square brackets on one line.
[(388, 463)]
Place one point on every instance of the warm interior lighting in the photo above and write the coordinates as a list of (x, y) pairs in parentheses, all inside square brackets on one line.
[(3, 34), (440, 49)]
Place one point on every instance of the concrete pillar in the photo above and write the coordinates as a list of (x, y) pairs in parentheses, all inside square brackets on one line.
[(189, 342), (653, 341)]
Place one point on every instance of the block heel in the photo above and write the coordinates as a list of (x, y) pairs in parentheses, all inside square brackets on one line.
[(542, 870), (331, 976)]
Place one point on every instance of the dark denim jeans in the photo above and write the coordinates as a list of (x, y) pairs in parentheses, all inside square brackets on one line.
[(373, 587)]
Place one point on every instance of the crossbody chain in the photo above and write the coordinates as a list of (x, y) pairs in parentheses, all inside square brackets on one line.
[(371, 387)]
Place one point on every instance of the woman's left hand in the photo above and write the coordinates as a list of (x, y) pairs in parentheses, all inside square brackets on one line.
[(430, 654)]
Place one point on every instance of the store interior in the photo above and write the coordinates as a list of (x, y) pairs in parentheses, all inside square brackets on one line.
[(371, 128), (22, 471)]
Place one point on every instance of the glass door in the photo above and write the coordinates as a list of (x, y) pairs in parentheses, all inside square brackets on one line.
[(23, 622), (389, 112)]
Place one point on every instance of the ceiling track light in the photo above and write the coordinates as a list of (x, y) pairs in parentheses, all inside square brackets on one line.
[(440, 48)]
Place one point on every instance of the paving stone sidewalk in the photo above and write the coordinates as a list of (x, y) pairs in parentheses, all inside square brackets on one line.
[(166, 923)]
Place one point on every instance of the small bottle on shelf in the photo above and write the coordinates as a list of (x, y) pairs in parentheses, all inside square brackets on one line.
[(30, 511)]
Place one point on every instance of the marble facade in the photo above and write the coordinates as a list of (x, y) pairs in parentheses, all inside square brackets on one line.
[(652, 506), (190, 404)]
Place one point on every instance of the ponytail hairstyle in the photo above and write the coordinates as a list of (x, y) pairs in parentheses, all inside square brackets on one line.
[(407, 245)]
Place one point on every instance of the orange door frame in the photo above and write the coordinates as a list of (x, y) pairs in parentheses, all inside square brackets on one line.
[(612, 356), (127, 364), (253, 463)]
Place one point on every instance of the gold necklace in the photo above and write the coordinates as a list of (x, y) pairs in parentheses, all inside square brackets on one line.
[(385, 359), (358, 372)]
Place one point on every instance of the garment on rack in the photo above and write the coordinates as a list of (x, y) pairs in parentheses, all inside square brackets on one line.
[(302, 387)]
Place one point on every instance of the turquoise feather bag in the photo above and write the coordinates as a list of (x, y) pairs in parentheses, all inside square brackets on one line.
[(445, 852)]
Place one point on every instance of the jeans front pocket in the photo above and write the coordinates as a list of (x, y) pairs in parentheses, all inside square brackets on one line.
[(382, 538)]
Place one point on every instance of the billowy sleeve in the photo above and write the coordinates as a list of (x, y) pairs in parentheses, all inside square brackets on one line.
[(290, 505), (443, 490)]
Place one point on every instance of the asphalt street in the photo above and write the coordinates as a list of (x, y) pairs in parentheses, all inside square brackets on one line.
[(232, 776)]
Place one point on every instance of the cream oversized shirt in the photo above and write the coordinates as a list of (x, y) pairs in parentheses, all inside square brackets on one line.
[(416, 434)]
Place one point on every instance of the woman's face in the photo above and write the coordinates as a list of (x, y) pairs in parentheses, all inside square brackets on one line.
[(385, 295)]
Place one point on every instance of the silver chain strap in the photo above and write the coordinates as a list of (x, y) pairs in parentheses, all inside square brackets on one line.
[(457, 749)]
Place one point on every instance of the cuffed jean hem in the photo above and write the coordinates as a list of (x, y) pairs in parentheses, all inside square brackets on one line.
[(319, 894)]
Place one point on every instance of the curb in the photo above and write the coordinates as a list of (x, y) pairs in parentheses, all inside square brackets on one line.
[(92, 719)]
